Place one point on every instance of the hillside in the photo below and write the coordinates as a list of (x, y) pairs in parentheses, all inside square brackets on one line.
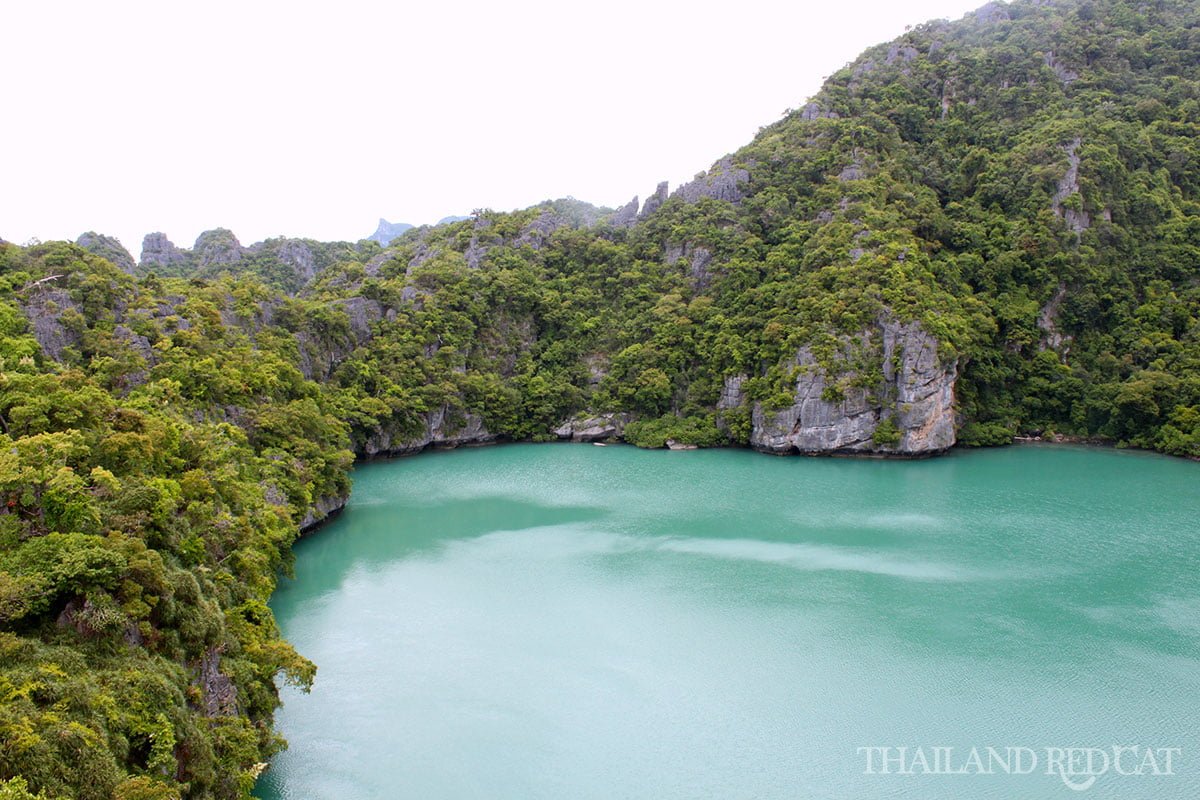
[(982, 229)]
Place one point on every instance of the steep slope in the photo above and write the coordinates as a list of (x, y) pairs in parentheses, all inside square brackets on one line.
[(1039, 158)]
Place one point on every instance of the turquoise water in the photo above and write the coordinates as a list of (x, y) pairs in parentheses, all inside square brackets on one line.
[(570, 621)]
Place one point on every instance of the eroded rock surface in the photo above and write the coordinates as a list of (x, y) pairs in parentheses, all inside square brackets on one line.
[(593, 427), (916, 394)]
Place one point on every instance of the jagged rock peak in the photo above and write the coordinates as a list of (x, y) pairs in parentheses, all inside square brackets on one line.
[(626, 215), (218, 246), (299, 256), (386, 231), (722, 182), (655, 201), (107, 247), (159, 251), (992, 12)]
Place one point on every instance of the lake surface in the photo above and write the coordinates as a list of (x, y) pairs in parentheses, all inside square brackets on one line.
[(570, 621)]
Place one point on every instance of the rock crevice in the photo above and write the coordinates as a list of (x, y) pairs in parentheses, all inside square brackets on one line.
[(915, 394)]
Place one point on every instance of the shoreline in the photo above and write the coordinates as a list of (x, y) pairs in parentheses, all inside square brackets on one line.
[(1017, 441)]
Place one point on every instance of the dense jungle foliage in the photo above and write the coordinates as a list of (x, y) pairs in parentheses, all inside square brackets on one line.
[(1023, 183)]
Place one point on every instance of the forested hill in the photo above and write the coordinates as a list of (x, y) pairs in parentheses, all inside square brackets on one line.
[(982, 229)]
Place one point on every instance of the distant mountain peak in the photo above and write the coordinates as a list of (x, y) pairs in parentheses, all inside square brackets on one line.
[(387, 231)]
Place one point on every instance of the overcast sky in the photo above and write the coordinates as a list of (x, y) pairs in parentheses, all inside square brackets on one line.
[(315, 119)]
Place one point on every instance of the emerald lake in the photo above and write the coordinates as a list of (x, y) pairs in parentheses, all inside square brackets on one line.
[(569, 621)]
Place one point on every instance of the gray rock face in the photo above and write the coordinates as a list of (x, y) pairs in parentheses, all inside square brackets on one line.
[(698, 259), (904, 53), (218, 247), (1077, 220), (813, 111), (43, 309), (626, 215), (442, 429), (1066, 75), (140, 345), (218, 690), (732, 395), (851, 172), (948, 96), (386, 231), (372, 267), (481, 242), (1047, 322), (363, 313), (654, 201), (159, 251), (864, 68), (992, 12), (321, 510), (722, 182), (107, 247), (593, 427), (916, 394), (319, 356), (297, 255), (537, 233)]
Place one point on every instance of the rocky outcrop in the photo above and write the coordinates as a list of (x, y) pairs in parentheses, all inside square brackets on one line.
[(320, 354), (626, 215), (107, 247), (386, 231), (593, 427), (654, 201), (1065, 74), (217, 689), (1047, 322), (299, 256), (992, 12), (322, 510), (443, 428), (732, 394), (481, 242), (536, 234), (698, 260), (722, 182), (851, 172), (1066, 202), (914, 400), (901, 53), (217, 248), (813, 111), (159, 251), (43, 308)]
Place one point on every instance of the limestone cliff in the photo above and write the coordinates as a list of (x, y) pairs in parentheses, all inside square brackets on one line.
[(914, 392), (593, 427), (107, 247), (442, 427), (386, 231), (321, 510), (158, 251)]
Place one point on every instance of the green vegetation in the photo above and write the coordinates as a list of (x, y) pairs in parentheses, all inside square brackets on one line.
[(164, 437)]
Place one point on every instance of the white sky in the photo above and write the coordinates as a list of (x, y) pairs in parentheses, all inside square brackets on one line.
[(315, 119)]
